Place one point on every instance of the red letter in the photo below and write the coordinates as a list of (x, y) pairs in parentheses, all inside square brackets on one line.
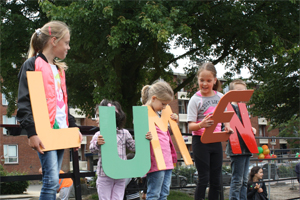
[(245, 130), (220, 115)]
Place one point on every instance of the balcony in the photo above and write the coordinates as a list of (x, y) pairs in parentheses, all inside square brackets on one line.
[(182, 117), (187, 139), (75, 111), (82, 165), (263, 141), (182, 96), (262, 121)]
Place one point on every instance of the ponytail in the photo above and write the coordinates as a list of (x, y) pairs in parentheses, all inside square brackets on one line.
[(41, 36)]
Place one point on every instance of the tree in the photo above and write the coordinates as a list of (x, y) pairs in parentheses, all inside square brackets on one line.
[(19, 19), (119, 46)]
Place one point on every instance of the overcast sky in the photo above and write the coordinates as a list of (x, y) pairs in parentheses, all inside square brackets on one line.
[(220, 68)]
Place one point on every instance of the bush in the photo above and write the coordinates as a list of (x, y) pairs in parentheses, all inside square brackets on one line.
[(15, 187), (188, 172)]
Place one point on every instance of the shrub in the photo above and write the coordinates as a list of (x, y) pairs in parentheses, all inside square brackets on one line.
[(15, 187), (188, 172)]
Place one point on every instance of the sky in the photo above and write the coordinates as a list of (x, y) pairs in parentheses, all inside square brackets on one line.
[(220, 68)]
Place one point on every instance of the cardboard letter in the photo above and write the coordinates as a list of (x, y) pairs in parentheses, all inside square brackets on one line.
[(221, 116), (113, 165), (162, 123), (245, 130), (51, 138)]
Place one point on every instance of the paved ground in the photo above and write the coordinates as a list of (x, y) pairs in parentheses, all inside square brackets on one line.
[(278, 191)]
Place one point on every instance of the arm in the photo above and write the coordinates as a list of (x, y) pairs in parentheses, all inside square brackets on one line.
[(250, 190), (94, 146), (24, 112), (206, 122), (130, 143)]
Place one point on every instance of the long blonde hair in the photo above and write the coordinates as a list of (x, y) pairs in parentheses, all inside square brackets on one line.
[(41, 36), (161, 89)]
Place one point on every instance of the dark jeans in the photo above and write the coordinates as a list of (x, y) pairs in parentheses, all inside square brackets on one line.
[(208, 159)]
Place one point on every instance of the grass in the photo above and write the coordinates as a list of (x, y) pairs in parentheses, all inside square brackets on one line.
[(177, 195)]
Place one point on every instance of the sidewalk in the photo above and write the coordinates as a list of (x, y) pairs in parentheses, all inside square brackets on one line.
[(32, 193)]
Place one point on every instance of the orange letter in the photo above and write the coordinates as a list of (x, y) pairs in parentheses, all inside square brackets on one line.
[(51, 138), (220, 115), (162, 123)]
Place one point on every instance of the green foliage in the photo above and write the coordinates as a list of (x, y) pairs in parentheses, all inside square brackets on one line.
[(15, 187), (286, 171), (291, 128), (93, 182), (188, 172), (119, 46), (226, 168)]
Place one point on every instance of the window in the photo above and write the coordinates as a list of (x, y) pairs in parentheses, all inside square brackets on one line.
[(8, 120), (10, 153), (262, 129), (4, 101), (181, 106)]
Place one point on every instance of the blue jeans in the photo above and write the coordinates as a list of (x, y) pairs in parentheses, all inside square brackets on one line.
[(51, 163), (158, 185), (239, 178)]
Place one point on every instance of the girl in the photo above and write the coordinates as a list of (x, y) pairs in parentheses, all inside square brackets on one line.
[(158, 96), (256, 189), (47, 43), (208, 157), (107, 187)]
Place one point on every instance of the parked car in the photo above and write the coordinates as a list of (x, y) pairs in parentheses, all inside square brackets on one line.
[(178, 180), (226, 177)]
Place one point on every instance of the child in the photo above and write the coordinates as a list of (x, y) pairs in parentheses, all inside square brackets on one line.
[(256, 189), (108, 188), (47, 43), (207, 157), (134, 185), (65, 186), (239, 162), (158, 96)]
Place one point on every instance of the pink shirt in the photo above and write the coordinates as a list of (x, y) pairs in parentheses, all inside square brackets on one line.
[(168, 150)]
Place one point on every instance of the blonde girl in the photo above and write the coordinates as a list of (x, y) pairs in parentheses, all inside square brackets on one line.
[(47, 43), (207, 157), (158, 96)]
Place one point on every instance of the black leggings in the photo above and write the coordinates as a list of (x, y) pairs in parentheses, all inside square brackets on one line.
[(208, 159)]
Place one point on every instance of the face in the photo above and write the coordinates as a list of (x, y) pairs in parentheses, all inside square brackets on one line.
[(62, 46), (239, 87), (206, 81), (259, 174), (157, 104)]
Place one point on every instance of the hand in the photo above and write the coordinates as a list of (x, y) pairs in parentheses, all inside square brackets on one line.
[(206, 122), (175, 117), (144, 196), (36, 144), (100, 140), (260, 190), (228, 130), (80, 139), (254, 130), (257, 186), (149, 136)]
